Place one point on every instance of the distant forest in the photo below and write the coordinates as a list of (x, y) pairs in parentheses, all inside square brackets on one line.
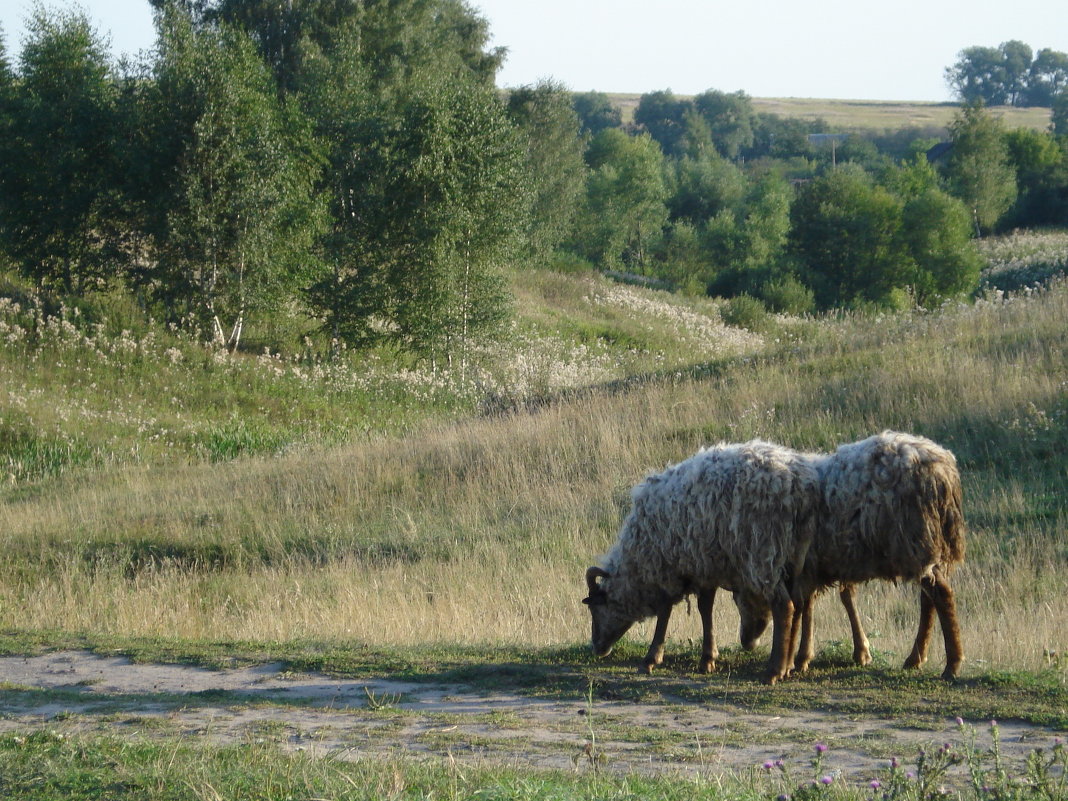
[(352, 163)]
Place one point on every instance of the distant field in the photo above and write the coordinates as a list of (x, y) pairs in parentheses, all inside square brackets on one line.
[(852, 114)]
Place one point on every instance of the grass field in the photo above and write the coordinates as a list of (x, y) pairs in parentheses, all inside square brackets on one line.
[(851, 115), (195, 506)]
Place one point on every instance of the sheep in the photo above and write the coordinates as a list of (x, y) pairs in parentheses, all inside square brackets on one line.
[(739, 517), (891, 509)]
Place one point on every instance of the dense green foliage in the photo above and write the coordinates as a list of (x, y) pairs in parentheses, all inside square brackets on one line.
[(1009, 74), (351, 167)]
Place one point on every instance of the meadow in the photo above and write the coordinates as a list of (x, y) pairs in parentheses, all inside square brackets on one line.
[(869, 115), (164, 498)]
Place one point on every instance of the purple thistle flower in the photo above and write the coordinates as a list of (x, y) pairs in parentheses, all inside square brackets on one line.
[(827, 780), (780, 764), (910, 775), (768, 765), (894, 763), (993, 724), (875, 784), (820, 748), (960, 720)]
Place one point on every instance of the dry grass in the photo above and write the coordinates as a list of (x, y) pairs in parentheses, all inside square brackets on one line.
[(869, 114), (479, 532)]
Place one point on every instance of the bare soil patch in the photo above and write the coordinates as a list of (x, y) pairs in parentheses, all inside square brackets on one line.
[(78, 692)]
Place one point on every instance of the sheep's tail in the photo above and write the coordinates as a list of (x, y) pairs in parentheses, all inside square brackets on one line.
[(947, 504)]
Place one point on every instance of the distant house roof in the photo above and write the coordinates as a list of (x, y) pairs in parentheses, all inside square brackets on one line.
[(820, 138), (939, 152)]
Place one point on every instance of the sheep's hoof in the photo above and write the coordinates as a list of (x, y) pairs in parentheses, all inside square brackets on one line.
[(951, 672), (913, 662), (707, 666), (802, 665), (647, 668), (771, 679), (862, 658)]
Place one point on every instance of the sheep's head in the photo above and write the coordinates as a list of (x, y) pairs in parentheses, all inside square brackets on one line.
[(755, 614), (609, 620)]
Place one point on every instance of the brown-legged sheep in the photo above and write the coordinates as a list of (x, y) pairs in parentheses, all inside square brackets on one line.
[(891, 509), (740, 517)]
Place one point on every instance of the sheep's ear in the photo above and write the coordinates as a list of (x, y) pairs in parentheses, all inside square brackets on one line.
[(597, 596)]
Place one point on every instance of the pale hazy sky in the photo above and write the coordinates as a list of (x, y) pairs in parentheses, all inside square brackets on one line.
[(847, 49)]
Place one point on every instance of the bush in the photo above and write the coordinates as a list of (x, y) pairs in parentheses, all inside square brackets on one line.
[(745, 311), (787, 295)]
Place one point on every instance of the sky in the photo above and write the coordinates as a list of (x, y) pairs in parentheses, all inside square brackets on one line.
[(835, 49)]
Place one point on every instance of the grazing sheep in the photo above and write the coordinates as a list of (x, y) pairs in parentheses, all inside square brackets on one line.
[(740, 517), (891, 510)]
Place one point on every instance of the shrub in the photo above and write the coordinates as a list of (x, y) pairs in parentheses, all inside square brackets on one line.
[(745, 311), (787, 295)]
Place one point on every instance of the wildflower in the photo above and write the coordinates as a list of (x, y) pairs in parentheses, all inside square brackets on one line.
[(783, 797), (768, 765), (875, 784), (960, 720), (993, 724), (820, 748), (827, 780), (894, 763)]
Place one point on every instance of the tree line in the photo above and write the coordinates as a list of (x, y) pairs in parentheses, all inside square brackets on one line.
[(351, 163), (1010, 74)]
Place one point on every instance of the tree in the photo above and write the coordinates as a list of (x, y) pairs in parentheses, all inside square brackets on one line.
[(1047, 78), (625, 209), (845, 230), (730, 118), (662, 116), (236, 226), (937, 232), (399, 38), (1041, 177), (1059, 115), (979, 76), (58, 155), (979, 171), (7, 119), (596, 112), (1008, 74), (703, 186), (1016, 60), (428, 203), (556, 169)]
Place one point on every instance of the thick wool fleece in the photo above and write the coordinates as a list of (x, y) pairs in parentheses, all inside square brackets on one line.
[(739, 517)]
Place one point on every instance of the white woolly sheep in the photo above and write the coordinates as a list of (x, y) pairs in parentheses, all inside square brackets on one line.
[(891, 509), (740, 517)]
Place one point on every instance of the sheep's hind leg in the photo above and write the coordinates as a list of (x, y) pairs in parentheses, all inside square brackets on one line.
[(782, 615), (655, 655), (803, 621), (709, 652), (861, 648), (923, 634), (947, 616)]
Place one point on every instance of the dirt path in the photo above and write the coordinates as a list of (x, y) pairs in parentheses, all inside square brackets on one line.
[(81, 692)]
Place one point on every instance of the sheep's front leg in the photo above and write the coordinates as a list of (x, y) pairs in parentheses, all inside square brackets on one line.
[(655, 655), (709, 652), (861, 649)]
